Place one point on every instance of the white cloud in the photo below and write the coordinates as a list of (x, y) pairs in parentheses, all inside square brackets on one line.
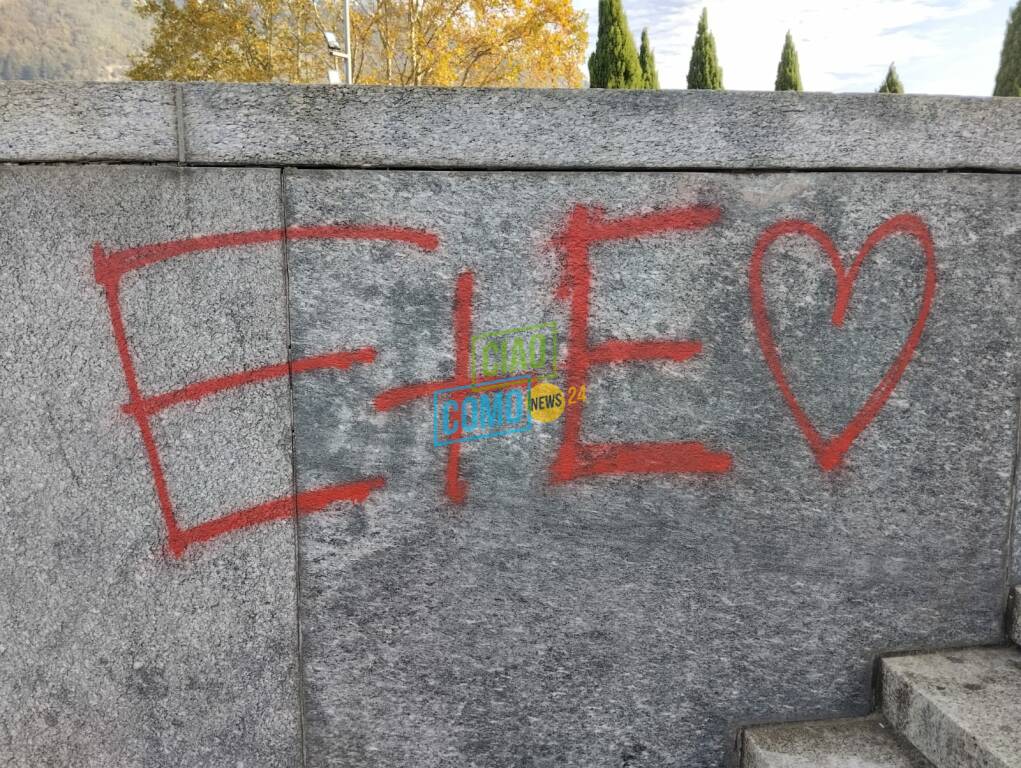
[(940, 46)]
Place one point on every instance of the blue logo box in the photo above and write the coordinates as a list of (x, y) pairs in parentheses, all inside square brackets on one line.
[(493, 409)]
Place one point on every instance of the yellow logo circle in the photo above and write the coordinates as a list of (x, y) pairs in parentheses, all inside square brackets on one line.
[(546, 402)]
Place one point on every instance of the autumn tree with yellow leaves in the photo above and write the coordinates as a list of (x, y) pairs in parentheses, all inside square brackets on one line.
[(527, 43)]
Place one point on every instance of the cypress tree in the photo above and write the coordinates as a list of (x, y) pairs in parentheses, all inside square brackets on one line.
[(650, 77), (1008, 76), (788, 74), (704, 71), (892, 83), (614, 63)]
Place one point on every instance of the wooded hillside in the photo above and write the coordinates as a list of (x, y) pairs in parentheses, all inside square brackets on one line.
[(68, 39)]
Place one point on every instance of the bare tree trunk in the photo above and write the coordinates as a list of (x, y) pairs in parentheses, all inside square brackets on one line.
[(413, 19), (388, 45)]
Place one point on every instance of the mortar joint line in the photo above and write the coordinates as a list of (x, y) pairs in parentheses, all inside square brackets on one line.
[(182, 149), (1008, 550), (299, 648)]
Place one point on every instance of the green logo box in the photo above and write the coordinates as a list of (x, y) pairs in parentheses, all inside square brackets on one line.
[(530, 349)]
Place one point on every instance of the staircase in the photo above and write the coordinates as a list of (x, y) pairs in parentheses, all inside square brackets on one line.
[(947, 709)]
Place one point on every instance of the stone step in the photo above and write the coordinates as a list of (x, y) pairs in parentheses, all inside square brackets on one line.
[(961, 709), (867, 742)]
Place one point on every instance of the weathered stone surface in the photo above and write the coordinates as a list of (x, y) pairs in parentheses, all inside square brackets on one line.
[(867, 742), (506, 128), (612, 620), (63, 122), (1014, 566), (1013, 575), (1015, 616), (960, 708), (112, 651)]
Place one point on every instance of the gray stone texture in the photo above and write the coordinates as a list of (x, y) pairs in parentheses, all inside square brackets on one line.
[(112, 651), (960, 708), (638, 620), (866, 742), (1013, 575), (65, 122), (508, 128), (1015, 616)]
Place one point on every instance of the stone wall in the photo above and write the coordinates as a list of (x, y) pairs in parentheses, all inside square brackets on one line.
[(229, 536)]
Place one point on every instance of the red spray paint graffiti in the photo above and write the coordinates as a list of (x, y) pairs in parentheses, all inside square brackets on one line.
[(455, 488), (110, 268), (584, 228), (828, 453), (587, 227)]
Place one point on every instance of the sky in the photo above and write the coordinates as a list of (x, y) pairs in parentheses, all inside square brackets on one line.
[(939, 46)]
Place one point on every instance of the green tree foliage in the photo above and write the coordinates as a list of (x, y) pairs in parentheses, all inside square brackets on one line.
[(788, 73), (1008, 76), (650, 77), (892, 83), (614, 63), (704, 71), (68, 40)]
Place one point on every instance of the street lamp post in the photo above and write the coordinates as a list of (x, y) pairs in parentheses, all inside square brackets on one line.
[(337, 51)]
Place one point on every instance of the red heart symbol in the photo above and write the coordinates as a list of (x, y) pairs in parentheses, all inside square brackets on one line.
[(829, 452)]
